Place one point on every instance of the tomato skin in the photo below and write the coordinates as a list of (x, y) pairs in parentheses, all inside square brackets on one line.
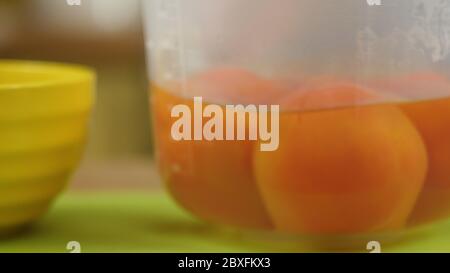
[(342, 171)]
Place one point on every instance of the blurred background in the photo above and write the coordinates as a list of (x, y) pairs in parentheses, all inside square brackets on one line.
[(107, 35)]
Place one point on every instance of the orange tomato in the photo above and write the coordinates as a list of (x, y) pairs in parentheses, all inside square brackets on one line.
[(228, 85), (341, 95), (417, 86), (432, 119), (343, 170), (213, 179)]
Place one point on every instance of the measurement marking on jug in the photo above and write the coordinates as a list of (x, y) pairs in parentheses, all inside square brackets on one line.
[(168, 44), (168, 47)]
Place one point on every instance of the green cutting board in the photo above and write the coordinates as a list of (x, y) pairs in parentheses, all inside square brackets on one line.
[(152, 222)]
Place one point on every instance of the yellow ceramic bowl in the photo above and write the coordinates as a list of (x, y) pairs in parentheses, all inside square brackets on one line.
[(44, 113)]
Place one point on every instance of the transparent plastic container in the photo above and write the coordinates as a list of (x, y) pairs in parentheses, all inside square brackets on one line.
[(363, 125)]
